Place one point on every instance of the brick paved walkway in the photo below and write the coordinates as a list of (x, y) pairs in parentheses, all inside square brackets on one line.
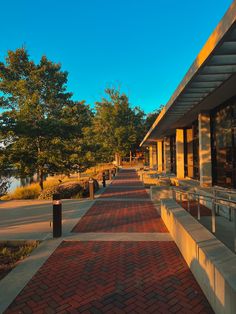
[(122, 216), (134, 192), (114, 276)]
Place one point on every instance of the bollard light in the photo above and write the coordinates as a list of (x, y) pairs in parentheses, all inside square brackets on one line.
[(104, 179), (57, 215), (91, 189)]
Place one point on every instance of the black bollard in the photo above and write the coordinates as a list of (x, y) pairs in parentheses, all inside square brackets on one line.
[(57, 216), (91, 189), (104, 180)]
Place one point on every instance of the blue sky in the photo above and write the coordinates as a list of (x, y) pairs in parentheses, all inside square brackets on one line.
[(144, 47)]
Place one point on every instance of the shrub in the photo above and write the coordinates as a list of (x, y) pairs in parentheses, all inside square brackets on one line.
[(31, 191), (47, 193), (66, 190), (69, 189)]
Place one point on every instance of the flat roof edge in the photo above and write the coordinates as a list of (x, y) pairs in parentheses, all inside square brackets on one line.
[(223, 26)]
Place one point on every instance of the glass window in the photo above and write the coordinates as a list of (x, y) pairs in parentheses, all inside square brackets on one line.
[(224, 144)]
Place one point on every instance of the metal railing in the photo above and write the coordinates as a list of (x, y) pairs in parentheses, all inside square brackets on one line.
[(215, 201)]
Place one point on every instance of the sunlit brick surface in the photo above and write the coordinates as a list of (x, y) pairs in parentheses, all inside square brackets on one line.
[(121, 216), (126, 182), (125, 193), (112, 277), (127, 178)]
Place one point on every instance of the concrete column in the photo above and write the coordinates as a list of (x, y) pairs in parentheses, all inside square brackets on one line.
[(159, 156), (205, 149), (180, 153), (154, 156), (151, 156), (190, 152), (167, 161)]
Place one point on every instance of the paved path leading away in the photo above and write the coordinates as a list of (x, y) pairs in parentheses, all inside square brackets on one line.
[(118, 259)]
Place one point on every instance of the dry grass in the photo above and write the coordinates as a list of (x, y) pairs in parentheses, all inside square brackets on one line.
[(10, 255), (32, 191)]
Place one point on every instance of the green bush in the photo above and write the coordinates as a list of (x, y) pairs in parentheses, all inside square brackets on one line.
[(68, 190), (47, 193)]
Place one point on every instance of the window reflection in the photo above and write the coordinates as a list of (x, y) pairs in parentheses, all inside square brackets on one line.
[(224, 145)]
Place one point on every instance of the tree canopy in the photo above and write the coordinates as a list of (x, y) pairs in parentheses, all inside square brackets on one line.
[(42, 130), (40, 125), (117, 126)]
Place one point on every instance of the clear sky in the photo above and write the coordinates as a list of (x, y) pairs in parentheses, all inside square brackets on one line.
[(142, 46)]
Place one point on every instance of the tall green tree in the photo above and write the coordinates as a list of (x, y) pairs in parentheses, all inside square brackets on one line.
[(117, 126), (41, 128), (151, 118)]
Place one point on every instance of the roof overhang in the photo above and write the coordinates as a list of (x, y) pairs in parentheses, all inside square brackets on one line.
[(213, 69)]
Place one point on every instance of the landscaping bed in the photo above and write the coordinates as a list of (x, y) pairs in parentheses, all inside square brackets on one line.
[(12, 253)]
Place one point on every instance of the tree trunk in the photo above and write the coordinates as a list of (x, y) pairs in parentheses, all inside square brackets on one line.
[(40, 172), (130, 158)]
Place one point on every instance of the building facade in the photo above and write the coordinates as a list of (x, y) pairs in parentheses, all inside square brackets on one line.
[(195, 134)]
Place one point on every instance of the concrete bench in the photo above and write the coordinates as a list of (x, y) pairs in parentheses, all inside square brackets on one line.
[(211, 262)]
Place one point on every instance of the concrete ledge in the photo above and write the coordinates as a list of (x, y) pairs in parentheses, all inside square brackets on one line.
[(211, 262), (160, 192)]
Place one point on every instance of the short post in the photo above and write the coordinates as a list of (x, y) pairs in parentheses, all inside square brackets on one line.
[(180, 197), (103, 179), (217, 205), (110, 174), (57, 215), (173, 194), (213, 218), (188, 202), (142, 176), (234, 229), (151, 192), (198, 208), (91, 189), (230, 210), (114, 172)]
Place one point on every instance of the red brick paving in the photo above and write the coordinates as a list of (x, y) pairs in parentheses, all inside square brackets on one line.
[(127, 177), (125, 193), (121, 216), (112, 277), (126, 182)]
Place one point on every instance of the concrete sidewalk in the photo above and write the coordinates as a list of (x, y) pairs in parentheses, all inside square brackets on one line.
[(32, 220)]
